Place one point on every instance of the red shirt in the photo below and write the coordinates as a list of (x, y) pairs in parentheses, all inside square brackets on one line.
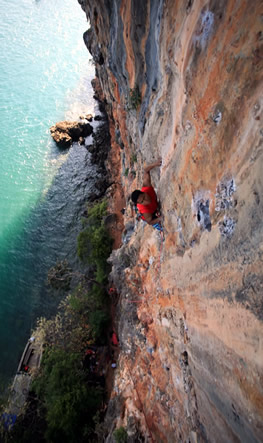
[(151, 207)]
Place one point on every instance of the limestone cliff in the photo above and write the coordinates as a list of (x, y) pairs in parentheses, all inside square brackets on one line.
[(183, 81)]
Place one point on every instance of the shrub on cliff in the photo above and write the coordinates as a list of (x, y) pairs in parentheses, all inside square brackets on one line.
[(94, 242), (69, 402), (59, 276), (120, 435), (99, 321), (97, 212), (92, 311), (135, 98), (100, 244)]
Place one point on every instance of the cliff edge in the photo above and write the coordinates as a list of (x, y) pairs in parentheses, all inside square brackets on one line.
[(183, 80)]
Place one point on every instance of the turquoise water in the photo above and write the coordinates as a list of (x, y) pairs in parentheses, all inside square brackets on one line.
[(44, 77)]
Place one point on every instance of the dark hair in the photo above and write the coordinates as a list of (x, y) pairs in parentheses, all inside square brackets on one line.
[(135, 195)]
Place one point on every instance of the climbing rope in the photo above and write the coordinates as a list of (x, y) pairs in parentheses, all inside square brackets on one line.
[(161, 250)]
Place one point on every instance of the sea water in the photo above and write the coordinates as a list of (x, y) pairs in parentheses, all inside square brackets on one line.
[(45, 77)]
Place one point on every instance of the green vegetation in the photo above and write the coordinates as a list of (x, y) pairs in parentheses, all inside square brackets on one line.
[(94, 247), (94, 242), (126, 172), (120, 435), (134, 158), (135, 97), (59, 276), (69, 402), (67, 395), (98, 321)]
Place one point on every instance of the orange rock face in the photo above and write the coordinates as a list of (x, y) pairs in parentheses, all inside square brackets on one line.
[(190, 311)]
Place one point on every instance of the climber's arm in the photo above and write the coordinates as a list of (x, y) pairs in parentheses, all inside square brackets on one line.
[(146, 175)]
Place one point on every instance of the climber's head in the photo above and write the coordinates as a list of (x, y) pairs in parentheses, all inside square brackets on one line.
[(136, 195)]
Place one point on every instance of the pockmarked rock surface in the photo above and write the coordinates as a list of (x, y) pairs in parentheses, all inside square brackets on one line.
[(190, 306)]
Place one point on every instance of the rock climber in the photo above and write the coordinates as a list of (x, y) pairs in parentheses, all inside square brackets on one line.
[(146, 199), (114, 338)]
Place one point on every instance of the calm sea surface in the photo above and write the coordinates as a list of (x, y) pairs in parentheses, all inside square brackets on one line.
[(44, 77)]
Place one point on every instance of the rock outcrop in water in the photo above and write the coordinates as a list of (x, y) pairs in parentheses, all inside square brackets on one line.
[(183, 80), (65, 133)]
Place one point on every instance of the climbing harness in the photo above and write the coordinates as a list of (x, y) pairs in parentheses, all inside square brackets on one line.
[(158, 226), (139, 216), (161, 250)]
